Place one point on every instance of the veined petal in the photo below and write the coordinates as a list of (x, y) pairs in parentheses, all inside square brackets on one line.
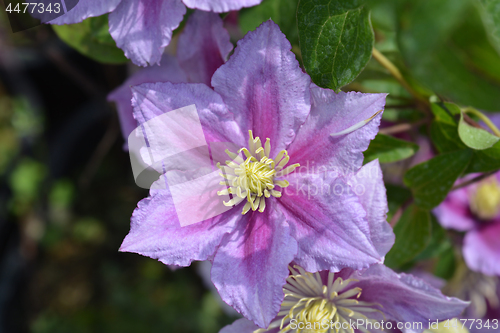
[(328, 222), (168, 70), (368, 185), (482, 248), (143, 28), (203, 46), (264, 87), (155, 231), (240, 326), (405, 298), (251, 264), (151, 100), (85, 9), (334, 113), (220, 6)]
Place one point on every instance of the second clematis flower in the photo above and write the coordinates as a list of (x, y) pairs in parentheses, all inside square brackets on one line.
[(299, 189), (475, 209), (370, 300), (143, 28)]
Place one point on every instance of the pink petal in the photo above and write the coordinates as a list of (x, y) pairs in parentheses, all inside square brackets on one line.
[(143, 28), (482, 249), (151, 100), (264, 87), (85, 9), (405, 298), (333, 113), (122, 96), (250, 266), (220, 6), (240, 326), (203, 46), (368, 184), (155, 232), (454, 213), (328, 222)]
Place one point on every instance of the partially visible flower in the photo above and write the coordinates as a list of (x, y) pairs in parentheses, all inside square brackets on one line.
[(327, 213), (370, 300), (143, 28), (203, 46), (475, 209), (483, 292)]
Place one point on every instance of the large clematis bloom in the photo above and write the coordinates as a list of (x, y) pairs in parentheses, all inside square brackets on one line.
[(202, 47), (327, 214), (370, 300), (475, 209), (143, 28)]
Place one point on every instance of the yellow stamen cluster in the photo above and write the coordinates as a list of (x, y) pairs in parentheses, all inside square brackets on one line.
[(315, 306), (485, 202), (255, 177)]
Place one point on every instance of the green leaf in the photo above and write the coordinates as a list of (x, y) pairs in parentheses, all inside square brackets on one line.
[(475, 138), (490, 13), (444, 112), (413, 233), (446, 265), (388, 149), (445, 137), (396, 197), (336, 40), (282, 12), (437, 244), (444, 129), (485, 160), (91, 38), (446, 48), (431, 181)]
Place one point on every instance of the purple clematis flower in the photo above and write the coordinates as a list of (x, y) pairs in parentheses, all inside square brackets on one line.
[(202, 47), (475, 209), (326, 214), (370, 300), (143, 28)]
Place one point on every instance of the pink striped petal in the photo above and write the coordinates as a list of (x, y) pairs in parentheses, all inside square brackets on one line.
[(328, 222), (203, 46), (250, 266), (264, 87), (143, 28), (334, 113)]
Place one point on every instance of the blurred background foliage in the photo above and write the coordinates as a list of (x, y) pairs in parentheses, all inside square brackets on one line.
[(67, 191)]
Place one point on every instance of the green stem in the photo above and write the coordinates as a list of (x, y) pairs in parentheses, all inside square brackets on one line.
[(387, 64), (485, 119)]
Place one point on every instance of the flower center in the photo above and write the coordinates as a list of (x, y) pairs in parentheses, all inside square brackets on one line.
[(310, 306), (485, 202), (255, 177)]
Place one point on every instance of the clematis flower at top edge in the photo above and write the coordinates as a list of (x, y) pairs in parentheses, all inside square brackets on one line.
[(143, 28), (475, 209), (202, 47), (306, 198), (370, 300)]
